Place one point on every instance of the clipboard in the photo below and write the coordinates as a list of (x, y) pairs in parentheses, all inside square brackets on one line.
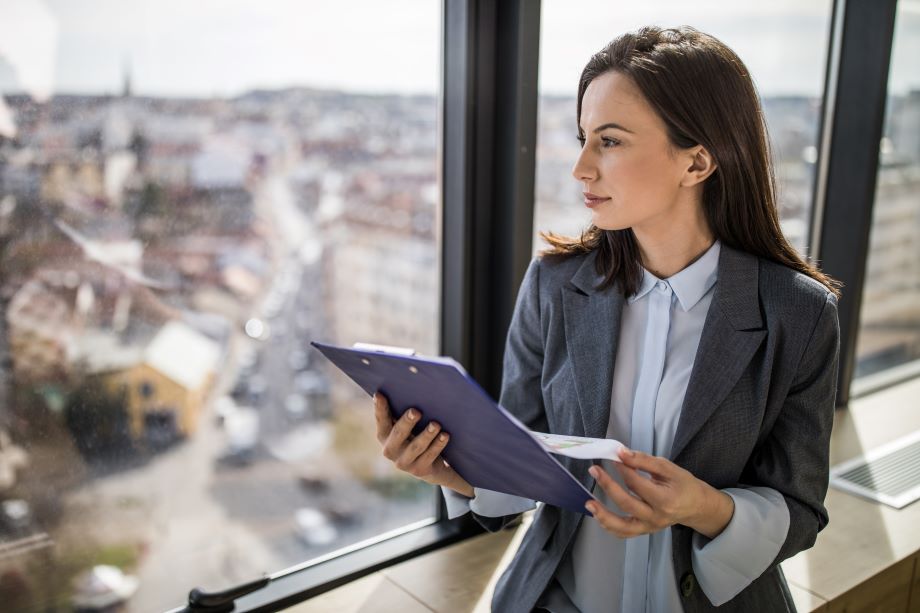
[(489, 447)]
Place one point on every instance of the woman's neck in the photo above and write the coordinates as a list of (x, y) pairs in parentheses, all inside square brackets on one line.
[(664, 254)]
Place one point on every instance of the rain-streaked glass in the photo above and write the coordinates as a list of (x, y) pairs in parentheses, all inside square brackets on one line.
[(191, 192)]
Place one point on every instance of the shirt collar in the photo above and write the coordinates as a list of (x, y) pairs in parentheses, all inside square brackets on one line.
[(691, 283)]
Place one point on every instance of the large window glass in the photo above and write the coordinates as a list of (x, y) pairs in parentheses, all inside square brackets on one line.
[(191, 192), (889, 334), (784, 44)]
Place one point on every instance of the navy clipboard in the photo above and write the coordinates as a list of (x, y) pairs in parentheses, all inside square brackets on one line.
[(489, 447)]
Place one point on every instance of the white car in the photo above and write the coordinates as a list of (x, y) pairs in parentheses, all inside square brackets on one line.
[(296, 405), (102, 587), (223, 408), (314, 527)]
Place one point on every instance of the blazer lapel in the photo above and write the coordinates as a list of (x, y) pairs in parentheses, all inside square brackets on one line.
[(592, 326), (732, 333)]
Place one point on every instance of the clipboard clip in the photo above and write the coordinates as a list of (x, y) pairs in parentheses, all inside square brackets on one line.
[(407, 351)]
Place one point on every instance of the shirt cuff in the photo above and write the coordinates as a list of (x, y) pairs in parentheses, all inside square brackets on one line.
[(741, 553), (457, 503), (484, 502)]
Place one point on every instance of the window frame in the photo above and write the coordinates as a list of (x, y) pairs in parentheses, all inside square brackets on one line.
[(853, 114)]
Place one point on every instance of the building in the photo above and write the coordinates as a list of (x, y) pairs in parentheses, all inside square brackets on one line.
[(164, 384)]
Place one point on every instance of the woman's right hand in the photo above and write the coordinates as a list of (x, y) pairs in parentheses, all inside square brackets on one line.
[(420, 455)]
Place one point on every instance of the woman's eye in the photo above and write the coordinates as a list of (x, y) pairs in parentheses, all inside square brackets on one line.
[(606, 141)]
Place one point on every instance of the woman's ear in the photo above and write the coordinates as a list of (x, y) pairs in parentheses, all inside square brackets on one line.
[(700, 167)]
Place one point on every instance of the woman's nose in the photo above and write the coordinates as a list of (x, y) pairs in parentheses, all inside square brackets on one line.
[(584, 169)]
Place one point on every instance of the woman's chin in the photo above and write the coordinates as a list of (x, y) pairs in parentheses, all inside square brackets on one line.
[(606, 224)]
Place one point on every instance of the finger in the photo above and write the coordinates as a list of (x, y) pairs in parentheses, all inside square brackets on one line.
[(418, 445), (643, 487), (426, 461), (397, 439), (627, 502), (651, 464), (623, 527), (383, 417)]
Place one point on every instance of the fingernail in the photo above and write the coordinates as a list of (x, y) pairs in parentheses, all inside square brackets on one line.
[(412, 414), (589, 506), (593, 471), (627, 452), (442, 438), (431, 427)]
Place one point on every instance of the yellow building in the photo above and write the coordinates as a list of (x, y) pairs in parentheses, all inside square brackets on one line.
[(165, 385)]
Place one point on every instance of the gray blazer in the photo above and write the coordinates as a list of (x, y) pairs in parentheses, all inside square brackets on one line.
[(758, 408)]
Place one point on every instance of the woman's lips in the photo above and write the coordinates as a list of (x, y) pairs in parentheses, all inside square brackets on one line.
[(591, 200)]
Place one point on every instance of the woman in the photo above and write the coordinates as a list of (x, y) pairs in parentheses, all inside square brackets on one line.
[(681, 323)]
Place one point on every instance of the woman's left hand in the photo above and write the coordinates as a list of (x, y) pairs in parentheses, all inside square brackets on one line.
[(670, 495)]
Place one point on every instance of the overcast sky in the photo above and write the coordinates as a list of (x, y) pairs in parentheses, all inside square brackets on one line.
[(224, 47)]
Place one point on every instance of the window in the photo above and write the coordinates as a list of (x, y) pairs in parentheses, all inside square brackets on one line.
[(189, 193), (784, 44), (889, 334), (185, 203), (146, 389)]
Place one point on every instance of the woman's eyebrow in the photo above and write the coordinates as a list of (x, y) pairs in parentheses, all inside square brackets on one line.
[(611, 125)]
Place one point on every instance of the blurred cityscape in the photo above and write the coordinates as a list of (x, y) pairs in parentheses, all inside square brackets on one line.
[(165, 265), (164, 423)]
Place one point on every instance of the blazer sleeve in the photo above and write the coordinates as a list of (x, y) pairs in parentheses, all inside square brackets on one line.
[(794, 457), (522, 367)]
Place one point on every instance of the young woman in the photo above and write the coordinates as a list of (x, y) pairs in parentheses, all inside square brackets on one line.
[(681, 323)]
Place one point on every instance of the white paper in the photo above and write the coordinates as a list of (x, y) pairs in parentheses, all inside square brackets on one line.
[(580, 447)]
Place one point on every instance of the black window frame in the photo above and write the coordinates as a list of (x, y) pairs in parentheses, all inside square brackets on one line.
[(488, 102), (853, 114)]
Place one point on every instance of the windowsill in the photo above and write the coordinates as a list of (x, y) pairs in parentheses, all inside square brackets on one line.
[(459, 577), (866, 555), (864, 559)]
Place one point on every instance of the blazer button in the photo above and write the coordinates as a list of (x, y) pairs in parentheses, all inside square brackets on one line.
[(687, 585)]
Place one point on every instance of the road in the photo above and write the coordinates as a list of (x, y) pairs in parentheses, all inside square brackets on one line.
[(209, 524)]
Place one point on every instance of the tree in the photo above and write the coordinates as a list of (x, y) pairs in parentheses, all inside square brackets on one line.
[(98, 420)]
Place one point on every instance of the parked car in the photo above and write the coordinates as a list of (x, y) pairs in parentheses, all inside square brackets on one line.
[(237, 456), (223, 407), (313, 481), (296, 405), (102, 587), (342, 512), (249, 388), (242, 431), (314, 528), (15, 515)]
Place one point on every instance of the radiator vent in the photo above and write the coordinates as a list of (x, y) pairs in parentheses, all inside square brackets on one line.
[(889, 474)]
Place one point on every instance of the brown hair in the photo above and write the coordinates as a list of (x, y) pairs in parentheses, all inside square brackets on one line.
[(705, 96)]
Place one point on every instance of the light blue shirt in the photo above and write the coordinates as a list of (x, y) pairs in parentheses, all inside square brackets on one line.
[(660, 331)]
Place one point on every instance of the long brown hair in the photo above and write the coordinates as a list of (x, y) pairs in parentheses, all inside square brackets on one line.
[(704, 94)]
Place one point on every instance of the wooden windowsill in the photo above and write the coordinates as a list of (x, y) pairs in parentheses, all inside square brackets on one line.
[(865, 559), (866, 556)]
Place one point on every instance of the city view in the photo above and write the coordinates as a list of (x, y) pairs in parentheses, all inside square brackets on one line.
[(165, 262), (165, 265)]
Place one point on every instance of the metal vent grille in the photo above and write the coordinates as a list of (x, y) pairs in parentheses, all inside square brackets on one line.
[(889, 474)]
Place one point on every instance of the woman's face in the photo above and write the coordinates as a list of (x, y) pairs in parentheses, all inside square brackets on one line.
[(631, 174)]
